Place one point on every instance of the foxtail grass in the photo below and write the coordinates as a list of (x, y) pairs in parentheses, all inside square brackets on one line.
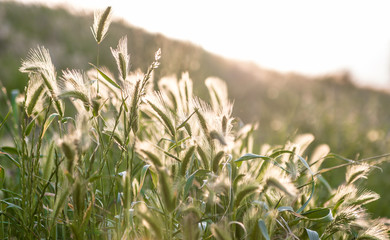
[(135, 163)]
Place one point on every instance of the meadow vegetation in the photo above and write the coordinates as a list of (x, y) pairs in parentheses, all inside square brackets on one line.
[(88, 154)]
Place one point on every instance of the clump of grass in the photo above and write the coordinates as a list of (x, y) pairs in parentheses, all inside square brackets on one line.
[(134, 163)]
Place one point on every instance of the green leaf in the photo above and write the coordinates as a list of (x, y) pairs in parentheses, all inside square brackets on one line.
[(186, 160), (10, 150), (172, 156), (2, 176), (285, 208), (310, 197), (263, 229), (304, 163), (29, 127), (190, 179), (313, 235), (10, 158), (11, 205), (320, 215), (250, 156), (77, 95), (178, 143), (48, 122), (144, 171), (290, 210), (153, 158), (58, 206), (154, 177), (186, 120), (323, 180), (107, 78)]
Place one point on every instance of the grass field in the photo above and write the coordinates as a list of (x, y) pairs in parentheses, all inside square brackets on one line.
[(89, 154)]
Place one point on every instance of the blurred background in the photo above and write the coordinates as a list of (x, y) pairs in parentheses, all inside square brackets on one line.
[(293, 67)]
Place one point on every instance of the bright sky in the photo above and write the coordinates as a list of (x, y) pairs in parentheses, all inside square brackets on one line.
[(305, 36)]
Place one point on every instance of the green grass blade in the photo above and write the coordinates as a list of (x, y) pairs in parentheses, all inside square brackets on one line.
[(308, 200), (10, 158), (186, 120), (5, 119), (48, 122), (263, 229), (313, 235), (320, 215), (144, 171), (107, 78), (186, 159), (190, 179)]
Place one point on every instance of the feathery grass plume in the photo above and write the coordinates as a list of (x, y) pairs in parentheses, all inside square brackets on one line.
[(73, 84), (215, 135), (376, 231), (243, 193), (157, 103), (70, 153), (343, 194), (216, 160), (166, 192), (303, 141), (298, 146), (122, 58), (218, 92), (186, 90), (39, 62), (152, 158), (318, 157), (157, 57), (203, 109), (150, 222), (116, 132), (364, 197), (133, 121), (186, 159), (343, 220), (34, 95), (169, 86), (101, 23), (285, 187), (220, 232), (244, 140), (82, 133), (189, 223), (75, 141), (78, 197), (356, 172), (276, 178), (203, 158), (108, 90)]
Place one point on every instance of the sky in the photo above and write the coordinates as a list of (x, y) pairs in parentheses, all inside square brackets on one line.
[(304, 36)]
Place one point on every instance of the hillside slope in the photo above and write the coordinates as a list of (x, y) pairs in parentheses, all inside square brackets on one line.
[(351, 120)]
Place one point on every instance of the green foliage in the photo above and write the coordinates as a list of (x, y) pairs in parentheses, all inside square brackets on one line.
[(133, 163)]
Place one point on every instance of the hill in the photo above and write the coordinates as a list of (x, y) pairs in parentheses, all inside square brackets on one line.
[(353, 121)]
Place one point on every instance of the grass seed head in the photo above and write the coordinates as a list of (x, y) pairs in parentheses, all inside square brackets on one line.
[(376, 231), (101, 23), (356, 172), (34, 95), (122, 58)]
